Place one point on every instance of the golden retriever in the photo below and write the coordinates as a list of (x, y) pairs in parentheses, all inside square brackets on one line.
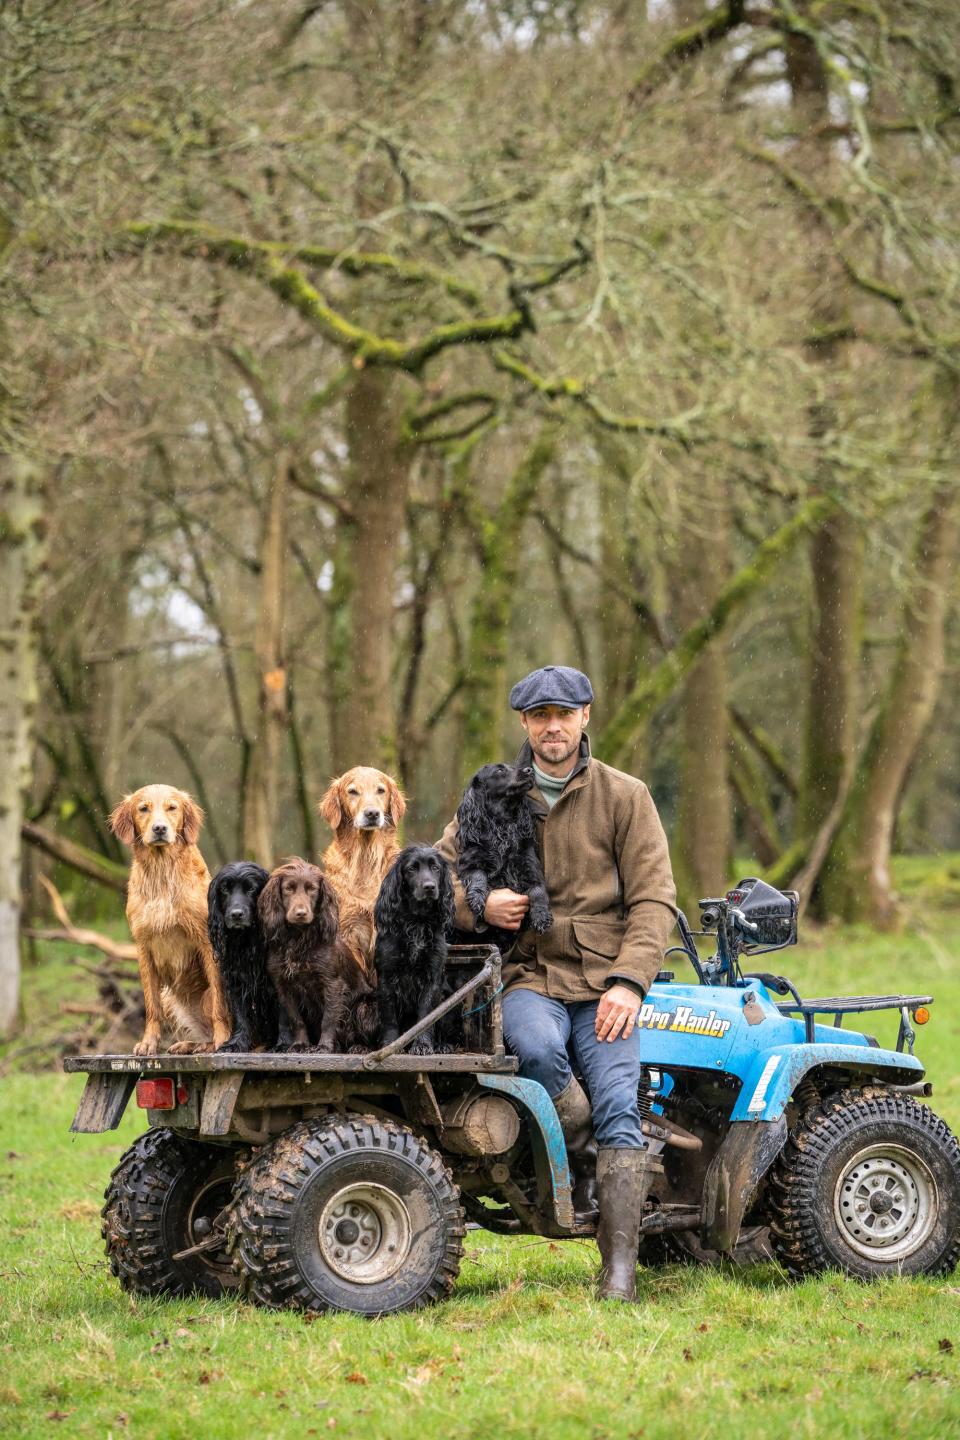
[(167, 914), (364, 807)]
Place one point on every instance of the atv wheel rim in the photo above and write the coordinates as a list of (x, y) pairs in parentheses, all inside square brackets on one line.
[(207, 1204), (365, 1233), (886, 1203)]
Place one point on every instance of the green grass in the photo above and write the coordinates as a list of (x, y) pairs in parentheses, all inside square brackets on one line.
[(522, 1349)]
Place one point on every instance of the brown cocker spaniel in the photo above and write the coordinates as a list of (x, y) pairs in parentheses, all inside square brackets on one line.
[(325, 999)]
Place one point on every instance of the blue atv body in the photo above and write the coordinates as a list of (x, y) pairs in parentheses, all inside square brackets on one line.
[(780, 1135), (734, 1049)]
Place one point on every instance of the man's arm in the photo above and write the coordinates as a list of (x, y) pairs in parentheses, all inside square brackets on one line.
[(450, 850), (649, 894)]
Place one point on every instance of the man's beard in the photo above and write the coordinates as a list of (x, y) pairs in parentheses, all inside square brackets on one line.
[(556, 759)]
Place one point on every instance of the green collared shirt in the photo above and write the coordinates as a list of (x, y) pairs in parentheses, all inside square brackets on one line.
[(550, 787)]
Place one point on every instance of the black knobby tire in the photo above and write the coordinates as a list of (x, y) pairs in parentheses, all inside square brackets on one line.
[(327, 1188), (162, 1186), (867, 1183)]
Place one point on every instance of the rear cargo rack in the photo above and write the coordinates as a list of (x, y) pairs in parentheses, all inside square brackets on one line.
[(840, 1005), (482, 1030)]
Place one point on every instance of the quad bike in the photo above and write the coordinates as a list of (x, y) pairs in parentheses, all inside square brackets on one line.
[(345, 1182)]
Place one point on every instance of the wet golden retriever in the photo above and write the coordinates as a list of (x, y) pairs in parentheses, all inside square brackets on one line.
[(364, 807), (167, 914)]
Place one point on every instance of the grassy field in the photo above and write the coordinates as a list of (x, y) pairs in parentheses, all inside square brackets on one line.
[(522, 1349)]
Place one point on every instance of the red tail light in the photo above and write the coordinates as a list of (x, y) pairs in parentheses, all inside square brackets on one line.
[(156, 1094)]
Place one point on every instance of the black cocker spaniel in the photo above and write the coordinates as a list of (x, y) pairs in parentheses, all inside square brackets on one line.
[(414, 913), (498, 846), (233, 923)]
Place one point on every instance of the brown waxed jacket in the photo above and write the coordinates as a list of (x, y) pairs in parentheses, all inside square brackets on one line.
[(610, 885)]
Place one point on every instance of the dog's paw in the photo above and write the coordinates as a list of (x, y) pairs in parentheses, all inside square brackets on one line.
[(421, 1046), (146, 1046), (236, 1045), (541, 918), (187, 1047), (324, 1047), (476, 903)]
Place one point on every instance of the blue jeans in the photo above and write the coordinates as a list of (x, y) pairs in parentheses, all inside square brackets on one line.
[(538, 1029)]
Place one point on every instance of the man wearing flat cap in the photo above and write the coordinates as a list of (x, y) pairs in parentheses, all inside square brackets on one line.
[(581, 983)]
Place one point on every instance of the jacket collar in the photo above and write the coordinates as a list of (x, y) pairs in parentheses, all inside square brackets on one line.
[(579, 776)]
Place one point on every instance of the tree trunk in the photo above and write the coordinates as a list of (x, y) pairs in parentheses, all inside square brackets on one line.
[(363, 727), (855, 880), (836, 547), (702, 845), (836, 560), (259, 811), (484, 673), (21, 569)]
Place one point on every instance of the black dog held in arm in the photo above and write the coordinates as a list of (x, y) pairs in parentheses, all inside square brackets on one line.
[(414, 913), (498, 846), (233, 923)]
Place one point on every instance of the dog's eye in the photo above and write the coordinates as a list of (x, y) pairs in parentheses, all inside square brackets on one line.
[(143, 809), (381, 789), (352, 790)]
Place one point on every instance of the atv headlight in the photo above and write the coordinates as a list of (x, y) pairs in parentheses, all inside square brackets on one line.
[(771, 914)]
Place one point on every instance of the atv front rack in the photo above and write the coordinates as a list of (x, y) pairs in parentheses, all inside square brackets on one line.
[(840, 1005)]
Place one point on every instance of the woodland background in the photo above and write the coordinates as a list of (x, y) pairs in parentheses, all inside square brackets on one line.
[(356, 358)]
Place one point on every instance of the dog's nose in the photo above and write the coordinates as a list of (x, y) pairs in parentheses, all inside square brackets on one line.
[(300, 913), (236, 914), (159, 827), (430, 887), (371, 815)]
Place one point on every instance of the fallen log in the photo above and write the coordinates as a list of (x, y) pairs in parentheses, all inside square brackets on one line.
[(79, 935), (78, 857)]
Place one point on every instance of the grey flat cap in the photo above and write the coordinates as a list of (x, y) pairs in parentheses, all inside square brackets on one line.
[(552, 685)]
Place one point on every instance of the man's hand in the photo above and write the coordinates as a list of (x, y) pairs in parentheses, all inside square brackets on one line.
[(617, 1013), (505, 909)]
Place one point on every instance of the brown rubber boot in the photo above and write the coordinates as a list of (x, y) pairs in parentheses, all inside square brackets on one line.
[(576, 1122), (624, 1178)]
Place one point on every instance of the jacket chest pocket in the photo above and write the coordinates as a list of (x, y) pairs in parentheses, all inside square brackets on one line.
[(598, 941)]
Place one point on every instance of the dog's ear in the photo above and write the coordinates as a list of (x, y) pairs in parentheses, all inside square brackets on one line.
[(448, 903), (326, 916), (330, 807), (216, 928), (472, 815), (121, 821), (270, 907), (398, 804), (388, 901), (192, 819)]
